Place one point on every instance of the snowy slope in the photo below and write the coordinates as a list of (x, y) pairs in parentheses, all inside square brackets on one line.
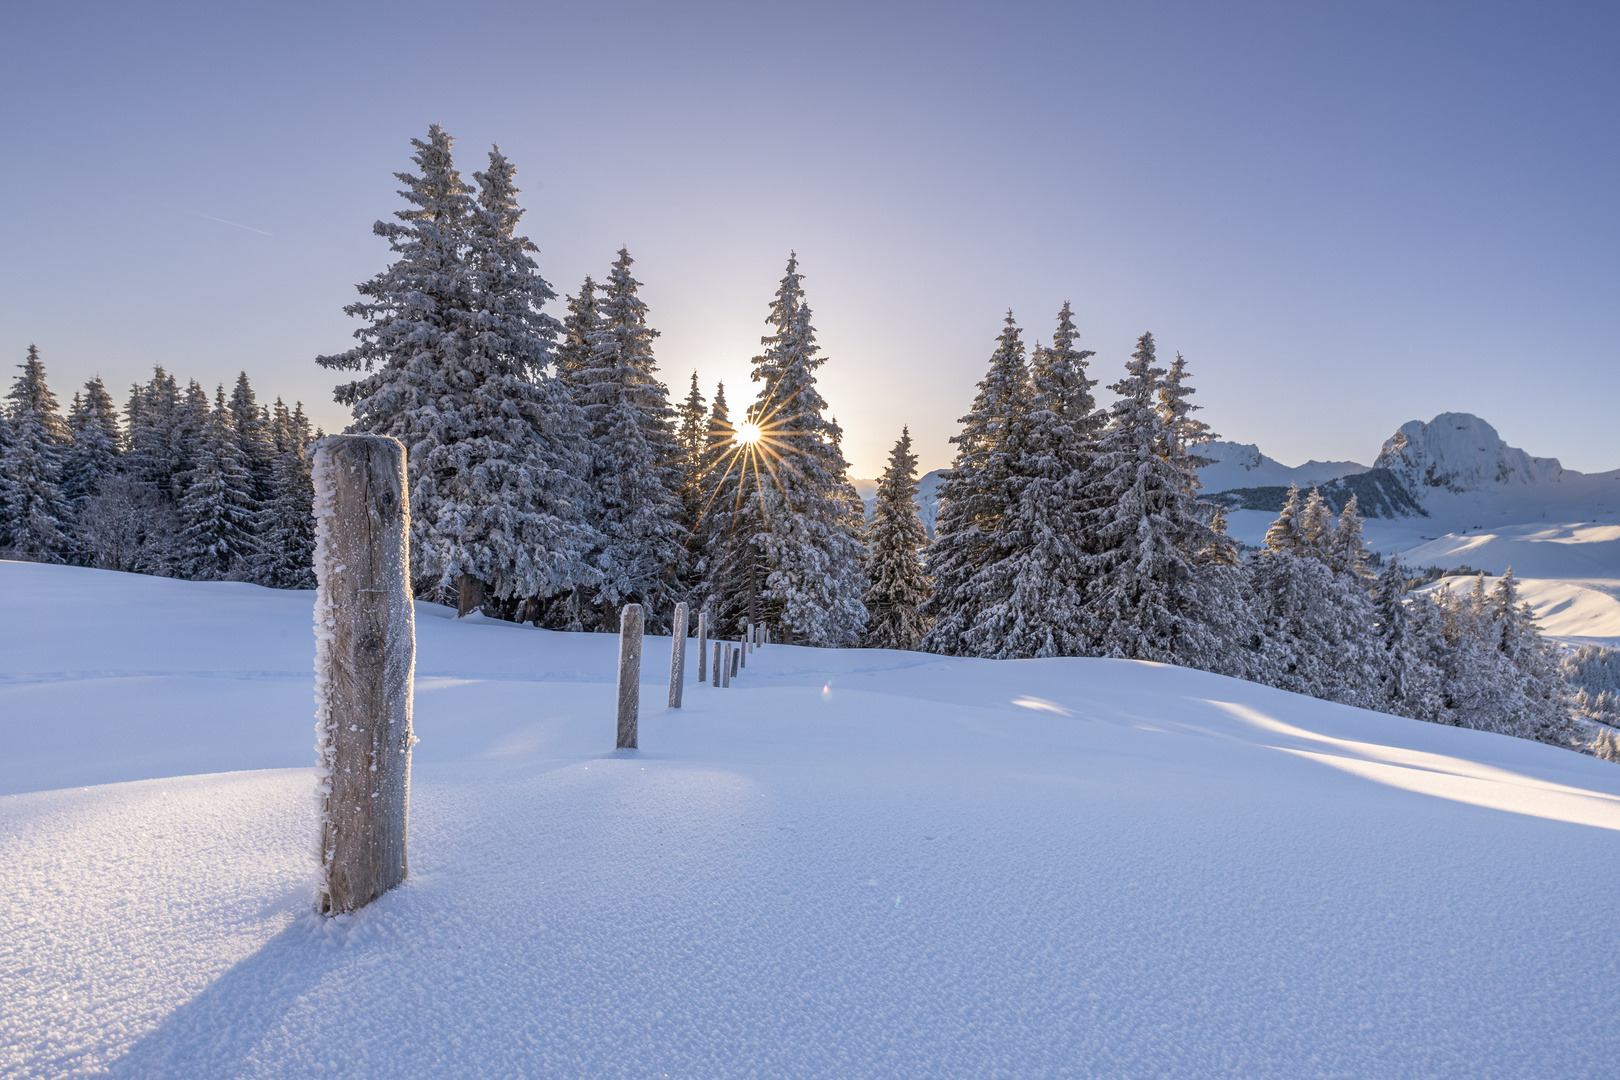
[(852, 864)]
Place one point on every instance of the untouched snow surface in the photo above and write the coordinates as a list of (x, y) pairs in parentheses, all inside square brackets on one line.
[(851, 864)]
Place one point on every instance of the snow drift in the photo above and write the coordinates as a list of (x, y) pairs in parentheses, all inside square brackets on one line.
[(852, 864)]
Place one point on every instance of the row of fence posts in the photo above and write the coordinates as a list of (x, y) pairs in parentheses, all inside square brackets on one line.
[(365, 660), (729, 660)]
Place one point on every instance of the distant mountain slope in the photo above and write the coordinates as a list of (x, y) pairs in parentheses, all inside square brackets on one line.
[(1242, 465), (1379, 493)]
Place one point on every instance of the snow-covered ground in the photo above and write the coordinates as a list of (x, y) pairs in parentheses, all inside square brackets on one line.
[(851, 864)]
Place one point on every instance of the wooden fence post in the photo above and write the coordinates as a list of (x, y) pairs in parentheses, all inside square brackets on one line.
[(365, 661), (742, 647), (703, 646), (717, 663), (736, 659), (630, 624), (725, 668), (677, 656)]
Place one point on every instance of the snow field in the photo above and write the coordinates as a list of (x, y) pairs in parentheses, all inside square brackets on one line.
[(851, 864)]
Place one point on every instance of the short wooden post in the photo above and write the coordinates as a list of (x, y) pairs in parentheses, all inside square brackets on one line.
[(736, 659), (629, 674), (677, 656), (717, 663), (365, 660), (703, 646), (742, 647), (725, 669)]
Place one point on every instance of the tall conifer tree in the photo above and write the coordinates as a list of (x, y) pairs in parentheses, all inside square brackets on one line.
[(635, 458), (96, 441), (418, 324), (1146, 598), (899, 587), (798, 504), (975, 494), (37, 515), (217, 511)]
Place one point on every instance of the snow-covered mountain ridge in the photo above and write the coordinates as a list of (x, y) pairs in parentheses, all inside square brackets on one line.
[(1460, 452), (1242, 465)]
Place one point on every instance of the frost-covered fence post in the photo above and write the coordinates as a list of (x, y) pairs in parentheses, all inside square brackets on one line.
[(365, 660), (677, 657), (725, 668), (742, 647), (717, 663), (736, 659), (703, 646), (629, 674)]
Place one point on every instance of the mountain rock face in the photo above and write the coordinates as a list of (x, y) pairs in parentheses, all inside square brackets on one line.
[(1460, 452), (1242, 465)]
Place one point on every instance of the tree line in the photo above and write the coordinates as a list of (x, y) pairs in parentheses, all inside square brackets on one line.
[(1064, 529), (553, 480), (183, 487)]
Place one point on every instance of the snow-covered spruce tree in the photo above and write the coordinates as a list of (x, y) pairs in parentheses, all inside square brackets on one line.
[(96, 442), (1146, 599), (798, 503), (287, 519), (414, 345), (1491, 685), (1284, 533), (1533, 665), (1593, 674), (156, 453), (503, 469), (218, 512), (635, 458), (1032, 592), (975, 494), (253, 435), (1316, 619), (1410, 681), (899, 587), (722, 554), (579, 324), (692, 435), (37, 519), (1315, 527), (1345, 551)]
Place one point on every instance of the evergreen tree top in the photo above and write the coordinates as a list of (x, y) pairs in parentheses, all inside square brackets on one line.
[(32, 401)]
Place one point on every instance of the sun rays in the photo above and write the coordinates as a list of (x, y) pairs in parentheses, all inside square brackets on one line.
[(759, 442)]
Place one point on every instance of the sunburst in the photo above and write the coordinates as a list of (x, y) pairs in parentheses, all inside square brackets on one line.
[(757, 443)]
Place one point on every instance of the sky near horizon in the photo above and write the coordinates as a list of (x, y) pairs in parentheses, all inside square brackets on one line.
[(1346, 216)]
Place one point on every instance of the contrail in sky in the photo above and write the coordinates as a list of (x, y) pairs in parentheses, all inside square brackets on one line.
[(222, 221)]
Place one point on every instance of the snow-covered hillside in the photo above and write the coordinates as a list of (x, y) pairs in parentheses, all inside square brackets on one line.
[(851, 864), (1242, 465)]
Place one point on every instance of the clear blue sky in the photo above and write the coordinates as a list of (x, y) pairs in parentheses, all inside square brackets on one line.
[(1345, 215)]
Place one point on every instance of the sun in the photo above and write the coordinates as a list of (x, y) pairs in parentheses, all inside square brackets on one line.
[(747, 433)]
